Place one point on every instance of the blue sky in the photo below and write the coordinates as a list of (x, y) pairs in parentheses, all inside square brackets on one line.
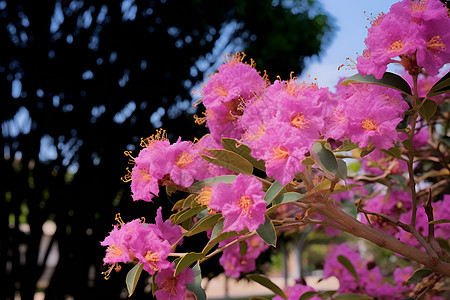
[(351, 22)]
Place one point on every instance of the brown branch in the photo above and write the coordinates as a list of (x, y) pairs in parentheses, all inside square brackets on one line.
[(382, 239)]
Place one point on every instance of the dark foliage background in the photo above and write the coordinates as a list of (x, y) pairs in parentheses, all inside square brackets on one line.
[(82, 81)]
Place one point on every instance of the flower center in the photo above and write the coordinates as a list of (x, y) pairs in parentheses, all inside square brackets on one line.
[(366, 53), (419, 5), (221, 91), (298, 121), (205, 196), (183, 160), (369, 125), (435, 45), (145, 176), (170, 285), (281, 152), (114, 251), (396, 46), (244, 203), (152, 258)]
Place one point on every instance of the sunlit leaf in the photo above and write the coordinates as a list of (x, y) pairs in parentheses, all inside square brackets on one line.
[(206, 223), (188, 213), (308, 295), (266, 282), (211, 182), (287, 197), (196, 286), (441, 221), (419, 275), (348, 265), (325, 159), (389, 80), (267, 232), (440, 87), (273, 191), (133, 277), (244, 151), (187, 260), (229, 160)]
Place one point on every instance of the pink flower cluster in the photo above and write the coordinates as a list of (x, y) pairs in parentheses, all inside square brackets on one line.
[(136, 241), (282, 121), (178, 164), (241, 203), (227, 92), (366, 113), (414, 31), (370, 279), (234, 261)]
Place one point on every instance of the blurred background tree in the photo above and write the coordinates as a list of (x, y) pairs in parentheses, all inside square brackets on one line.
[(82, 81)]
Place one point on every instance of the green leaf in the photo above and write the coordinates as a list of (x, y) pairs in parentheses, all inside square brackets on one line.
[(211, 182), (407, 144), (187, 260), (441, 221), (419, 275), (367, 150), (258, 298), (196, 286), (273, 191), (440, 87), (133, 277), (206, 223), (267, 232), (325, 159), (217, 229), (347, 145), (244, 151), (393, 151), (229, 160), (342, 166), (221, 237), (154, 285), (188, 213), (266, 282), (389, 80), (287, 197), (352, 297), (428, 109), (243, 247), (326, 294), (307, 295), (348, 265)]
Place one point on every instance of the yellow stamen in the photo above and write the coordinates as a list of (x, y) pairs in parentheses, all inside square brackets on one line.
[(152, 258), (281, 152), (205, 196), (160, 135), (244, 203), (420, 5), (145, 176), (127, 176), (119, 220), (298, 121), (396, 46), (183, 160), (114, 251), (170, 285), (369, 125), (435, 45), (221, 91)]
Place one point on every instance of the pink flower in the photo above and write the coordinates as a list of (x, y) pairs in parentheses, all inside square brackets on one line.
[(118, 243), (233, 262), (165, 230), (414, 31), (296, 291), (151, 250), (226, 92), (172, 287), (240, 202)]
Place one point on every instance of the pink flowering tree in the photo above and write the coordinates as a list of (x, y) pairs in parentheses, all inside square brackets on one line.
[(286, 154)]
